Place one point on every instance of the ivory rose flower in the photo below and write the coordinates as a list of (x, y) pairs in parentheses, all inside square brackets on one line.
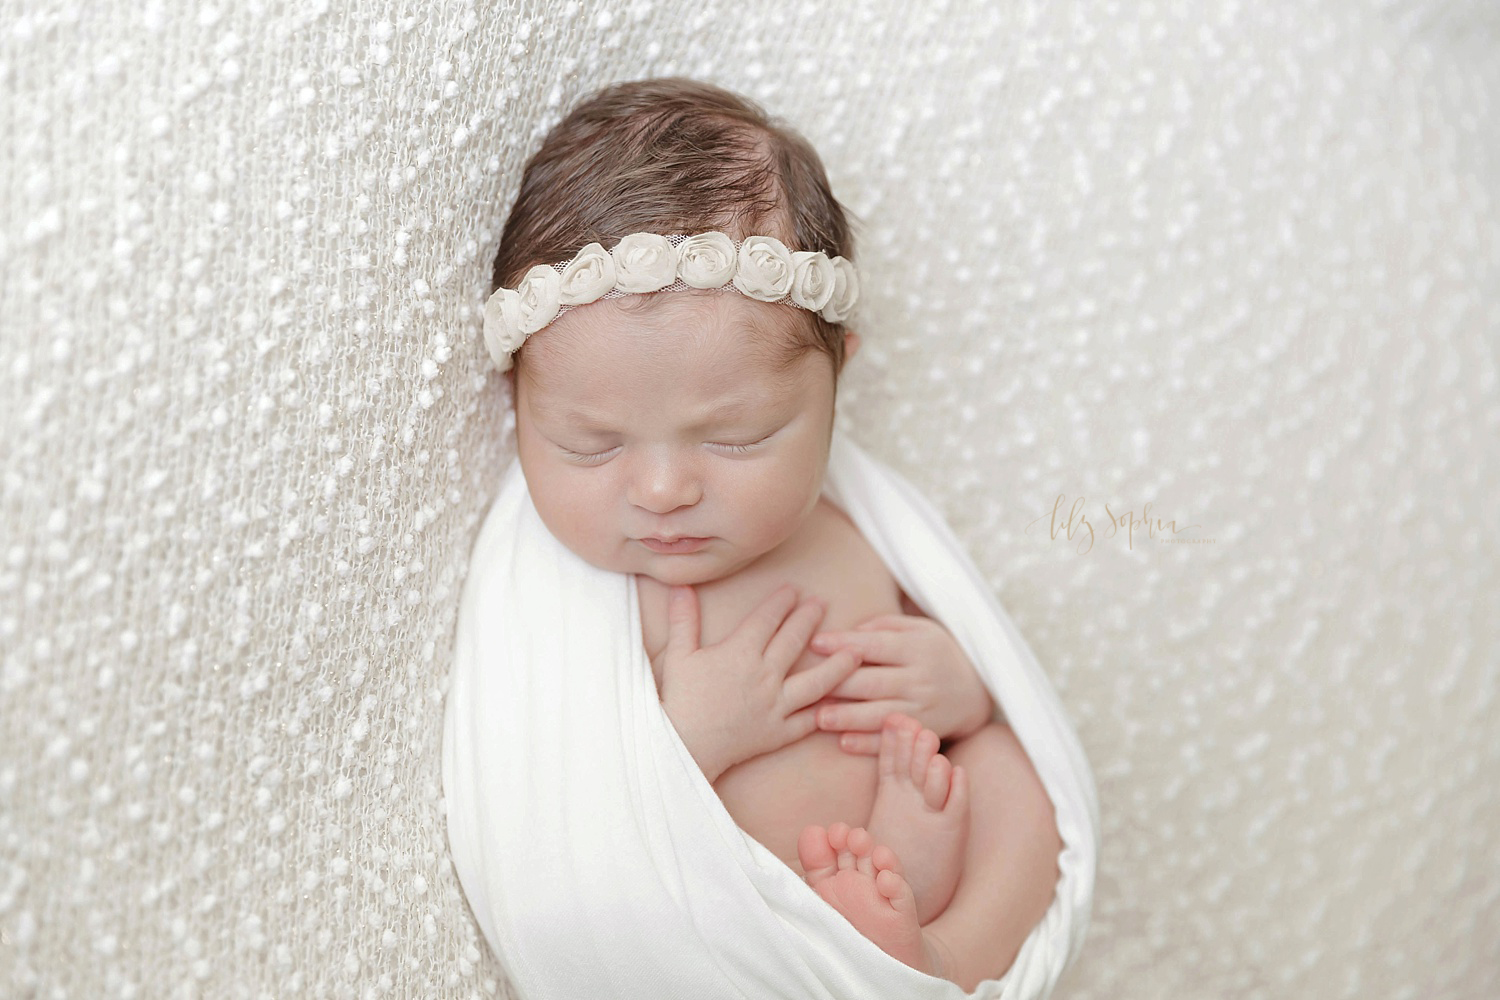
[(845, 291), (539, 292), (502, 326), (706, 260), (812, 279), (588, 276), (765, 269), (644, 262)]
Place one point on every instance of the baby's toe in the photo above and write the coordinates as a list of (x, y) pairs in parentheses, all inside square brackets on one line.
[(896, 741), (937, 781), (819, 860), (958, 795), (894, 887), (861, 844), (885, 859), (924, 746)]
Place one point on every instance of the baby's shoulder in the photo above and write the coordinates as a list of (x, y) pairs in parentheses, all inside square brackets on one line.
[(847, 549), (832, 542), (841, 565), (828, 557)]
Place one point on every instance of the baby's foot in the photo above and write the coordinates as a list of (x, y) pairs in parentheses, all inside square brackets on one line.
[(864, 883), (921, 811)]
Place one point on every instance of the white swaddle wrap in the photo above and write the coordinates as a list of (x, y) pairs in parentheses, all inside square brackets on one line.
[(596, 856)]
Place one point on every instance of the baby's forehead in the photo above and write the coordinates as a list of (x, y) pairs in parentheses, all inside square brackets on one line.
[(709, 312), (709, 333)]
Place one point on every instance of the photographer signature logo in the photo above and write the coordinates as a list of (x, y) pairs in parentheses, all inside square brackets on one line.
[(1076, 524)]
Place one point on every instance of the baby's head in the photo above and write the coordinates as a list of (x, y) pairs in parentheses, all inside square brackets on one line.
[(693, 413)]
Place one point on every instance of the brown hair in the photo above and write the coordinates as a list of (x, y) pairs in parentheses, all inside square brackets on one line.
[(672, 155)]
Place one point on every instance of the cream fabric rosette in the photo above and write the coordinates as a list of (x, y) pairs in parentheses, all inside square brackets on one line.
[(812, 279), (764, 269), (541, 297), (510, 316), (589, 275), (502, 326), (644, 262), (845, 291), (706, 260)]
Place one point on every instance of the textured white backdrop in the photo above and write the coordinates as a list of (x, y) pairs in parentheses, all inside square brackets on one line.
[(1237, 261)]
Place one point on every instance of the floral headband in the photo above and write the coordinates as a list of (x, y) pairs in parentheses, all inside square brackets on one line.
[(758, 266)]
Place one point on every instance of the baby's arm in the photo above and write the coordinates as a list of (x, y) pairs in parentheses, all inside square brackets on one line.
[(911, 664)]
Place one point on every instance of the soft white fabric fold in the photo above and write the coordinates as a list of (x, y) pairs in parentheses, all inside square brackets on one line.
[(594, 853)]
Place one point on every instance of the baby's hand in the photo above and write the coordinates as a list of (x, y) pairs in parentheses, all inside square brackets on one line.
[(733, 700), (912, 665)]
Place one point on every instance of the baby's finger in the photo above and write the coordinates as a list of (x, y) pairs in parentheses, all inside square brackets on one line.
[(871, 682), (864, 744), (860, 716), (800, 724), (813, 684), (766, 617), (873, 647), (894, 622), (682, 621), (786, 646)]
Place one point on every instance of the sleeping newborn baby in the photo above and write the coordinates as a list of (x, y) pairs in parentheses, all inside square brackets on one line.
[(674, 279)]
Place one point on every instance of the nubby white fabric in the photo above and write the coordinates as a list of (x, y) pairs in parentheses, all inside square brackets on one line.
[(593, 851)]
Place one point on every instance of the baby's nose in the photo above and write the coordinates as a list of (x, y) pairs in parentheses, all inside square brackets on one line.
[(663, 484)]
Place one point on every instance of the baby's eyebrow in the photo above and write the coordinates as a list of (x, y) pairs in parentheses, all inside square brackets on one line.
[(729, 408)]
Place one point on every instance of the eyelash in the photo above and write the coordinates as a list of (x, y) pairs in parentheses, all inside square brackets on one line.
[(594, 458), (586, 459)]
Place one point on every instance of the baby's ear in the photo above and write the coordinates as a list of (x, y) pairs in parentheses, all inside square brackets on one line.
[(851, 345)]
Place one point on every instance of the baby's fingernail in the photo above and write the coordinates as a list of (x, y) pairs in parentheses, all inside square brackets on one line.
[(819, 643), (825, 718)]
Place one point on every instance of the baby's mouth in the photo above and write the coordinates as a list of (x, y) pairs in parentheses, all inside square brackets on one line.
[(681, 544)]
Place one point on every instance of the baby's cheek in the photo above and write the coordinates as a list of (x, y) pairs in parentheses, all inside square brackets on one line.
[(574, 501), (570, 513), (777, 506)]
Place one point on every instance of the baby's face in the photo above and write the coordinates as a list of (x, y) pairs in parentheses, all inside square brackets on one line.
[(668, 422)]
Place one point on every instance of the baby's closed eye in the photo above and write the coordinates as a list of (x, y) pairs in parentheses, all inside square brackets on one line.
[(588, 457), (740, 449)]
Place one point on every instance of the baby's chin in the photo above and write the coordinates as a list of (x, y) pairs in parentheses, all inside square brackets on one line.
[(718, 561), (690, 569), (680, 571)]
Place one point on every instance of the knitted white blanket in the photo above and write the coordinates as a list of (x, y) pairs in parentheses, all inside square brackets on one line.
[(594, 853)]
